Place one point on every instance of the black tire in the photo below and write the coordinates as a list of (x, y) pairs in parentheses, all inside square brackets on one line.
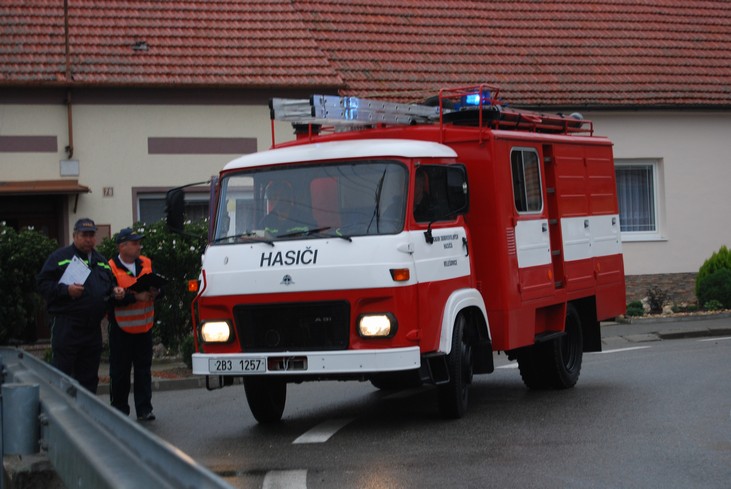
[(557, 363), (266, 398), (454, 395)]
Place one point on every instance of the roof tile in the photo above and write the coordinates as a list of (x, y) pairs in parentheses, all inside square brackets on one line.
[(562, 52)]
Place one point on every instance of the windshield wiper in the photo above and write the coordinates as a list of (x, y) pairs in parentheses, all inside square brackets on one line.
[(377, 211), (312, 232), (245, 236)]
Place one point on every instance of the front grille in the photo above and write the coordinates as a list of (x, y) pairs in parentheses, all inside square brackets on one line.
[(293, 327)]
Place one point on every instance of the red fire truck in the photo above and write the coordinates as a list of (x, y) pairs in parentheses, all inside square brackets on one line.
[(405, 244)]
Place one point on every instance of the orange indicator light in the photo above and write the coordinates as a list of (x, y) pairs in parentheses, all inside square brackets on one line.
[(400, 274)]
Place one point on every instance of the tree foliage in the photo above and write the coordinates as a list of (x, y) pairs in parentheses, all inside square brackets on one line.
[(178, 258), (22, 255)]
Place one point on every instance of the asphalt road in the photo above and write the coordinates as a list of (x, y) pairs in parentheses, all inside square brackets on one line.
[(651, 414)]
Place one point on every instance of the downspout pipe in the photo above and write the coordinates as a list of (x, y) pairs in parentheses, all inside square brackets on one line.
[(69, 107)]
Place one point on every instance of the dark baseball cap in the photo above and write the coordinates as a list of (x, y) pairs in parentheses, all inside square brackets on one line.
[(128, 234), (84, 224)]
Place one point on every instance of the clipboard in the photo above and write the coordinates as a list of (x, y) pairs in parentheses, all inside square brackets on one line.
[(146, 281), (76, 272)]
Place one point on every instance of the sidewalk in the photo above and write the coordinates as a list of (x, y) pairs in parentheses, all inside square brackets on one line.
[(666, 328), (171, 374), (167, 374)]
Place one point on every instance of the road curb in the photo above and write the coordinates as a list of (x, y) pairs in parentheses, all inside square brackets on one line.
[(159, 385), (675, 319), (708, 333)]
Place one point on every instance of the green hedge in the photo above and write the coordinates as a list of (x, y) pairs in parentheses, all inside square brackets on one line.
[(718, 260), (714, 290), (713, 282), (22, 255), (178, 258)]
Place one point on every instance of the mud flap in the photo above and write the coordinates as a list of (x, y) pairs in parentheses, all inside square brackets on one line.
[(482, 357), (215, 382), (434, 369)]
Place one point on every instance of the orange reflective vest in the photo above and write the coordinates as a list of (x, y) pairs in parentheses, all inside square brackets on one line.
[(139, 316)]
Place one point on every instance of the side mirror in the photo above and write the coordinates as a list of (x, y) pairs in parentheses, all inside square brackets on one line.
[(175, 209)]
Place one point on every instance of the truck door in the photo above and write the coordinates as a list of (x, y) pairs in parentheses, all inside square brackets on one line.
[(532, 233), (440, 250)]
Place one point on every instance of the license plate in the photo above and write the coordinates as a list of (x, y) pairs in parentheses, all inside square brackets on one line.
[(236, 365)]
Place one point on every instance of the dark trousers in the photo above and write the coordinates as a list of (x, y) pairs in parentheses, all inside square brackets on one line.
[(77, 349), (127, 350)]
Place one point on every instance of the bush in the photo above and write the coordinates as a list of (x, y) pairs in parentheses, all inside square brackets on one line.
[(720, 259), (635, 308), (685, 308), (657, 298), (716, 288), (713, 305), (187, 348), (22, 255), (178, 258)]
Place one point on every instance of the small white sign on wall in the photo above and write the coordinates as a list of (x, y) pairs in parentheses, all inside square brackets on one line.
[(69, 168)]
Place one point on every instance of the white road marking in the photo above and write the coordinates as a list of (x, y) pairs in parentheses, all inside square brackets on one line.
[(621, 350), (509, 365), (285, 479), (717, 339), (322, 432)]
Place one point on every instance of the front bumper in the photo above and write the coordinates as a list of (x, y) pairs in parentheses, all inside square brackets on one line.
[(305, 363)]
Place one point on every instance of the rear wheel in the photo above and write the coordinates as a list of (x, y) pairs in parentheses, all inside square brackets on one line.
[(555, 364), (266, 398), (454, 395)]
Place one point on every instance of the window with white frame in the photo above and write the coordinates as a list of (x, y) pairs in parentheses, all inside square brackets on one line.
[(151, 206), (637, 192)]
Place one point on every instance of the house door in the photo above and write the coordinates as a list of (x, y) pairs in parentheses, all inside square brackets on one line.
[(45, 214)]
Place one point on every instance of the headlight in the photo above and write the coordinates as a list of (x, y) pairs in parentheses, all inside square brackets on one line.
[(216, 332), (377, 325)]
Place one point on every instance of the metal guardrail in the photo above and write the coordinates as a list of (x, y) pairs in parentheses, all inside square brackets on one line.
[(91, 445)]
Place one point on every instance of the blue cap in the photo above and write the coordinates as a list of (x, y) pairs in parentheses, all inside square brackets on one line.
[(128, 234), (84, 224)]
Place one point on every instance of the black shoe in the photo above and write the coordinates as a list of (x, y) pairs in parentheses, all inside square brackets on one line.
[(146, 417)]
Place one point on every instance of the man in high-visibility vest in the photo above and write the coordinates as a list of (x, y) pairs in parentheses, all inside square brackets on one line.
[(130, 329)]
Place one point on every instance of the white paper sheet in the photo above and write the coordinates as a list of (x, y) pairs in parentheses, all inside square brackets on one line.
[(76, 272)]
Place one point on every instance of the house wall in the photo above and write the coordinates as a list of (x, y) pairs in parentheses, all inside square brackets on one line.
[(111, 144), (694, 200), (694, 184)]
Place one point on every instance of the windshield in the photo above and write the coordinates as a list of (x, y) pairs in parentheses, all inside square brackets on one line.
[(341, 199)]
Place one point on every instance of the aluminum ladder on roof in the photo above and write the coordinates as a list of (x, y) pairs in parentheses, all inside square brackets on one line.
[(333, 110)]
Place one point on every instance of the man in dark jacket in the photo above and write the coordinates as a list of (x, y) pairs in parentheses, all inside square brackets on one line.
[(76, 305)]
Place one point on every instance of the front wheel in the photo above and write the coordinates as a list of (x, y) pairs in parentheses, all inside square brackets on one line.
[(454, 395), (266, 398)]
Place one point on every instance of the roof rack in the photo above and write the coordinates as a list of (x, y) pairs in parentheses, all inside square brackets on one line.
[(476, 106), (336, 111), (480, 105)]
